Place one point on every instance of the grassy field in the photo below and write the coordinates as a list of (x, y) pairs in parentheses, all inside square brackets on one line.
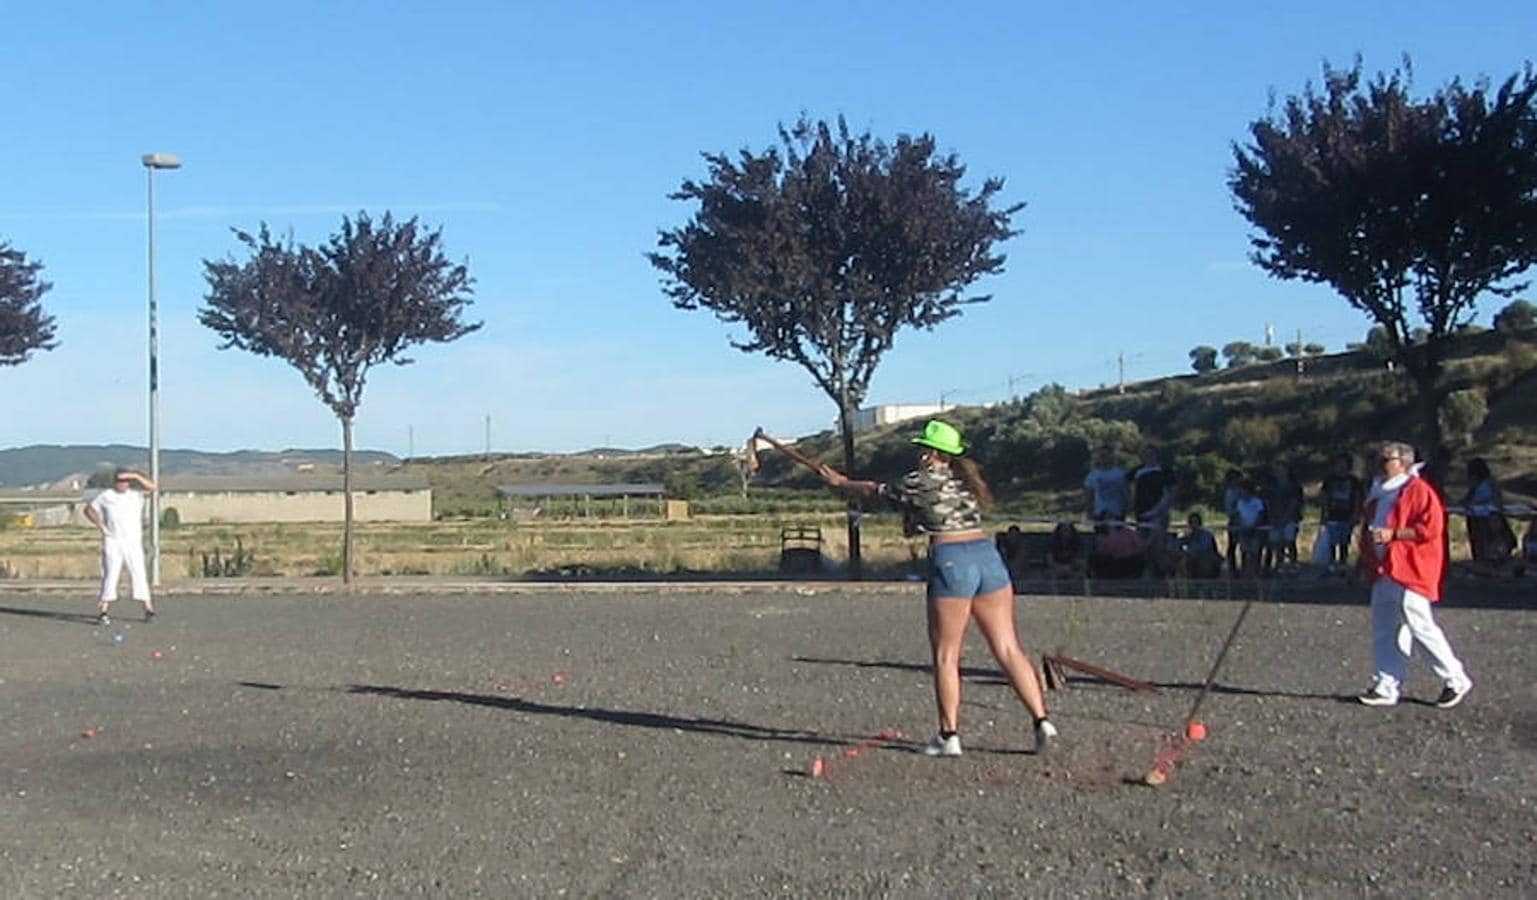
[(714, 544)]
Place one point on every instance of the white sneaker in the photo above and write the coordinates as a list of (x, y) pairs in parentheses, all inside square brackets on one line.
[(1378, 696), (943, 746), (1044, 732)]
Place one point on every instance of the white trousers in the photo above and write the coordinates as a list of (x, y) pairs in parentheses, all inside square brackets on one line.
[(1400, 619), (115, 555)]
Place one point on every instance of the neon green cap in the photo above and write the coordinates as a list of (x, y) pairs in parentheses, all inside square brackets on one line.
[(941, 436)]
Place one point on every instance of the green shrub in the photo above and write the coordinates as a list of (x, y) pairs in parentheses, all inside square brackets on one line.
[(1278, 391), (1250, 439), (1519, 359), (1462, 413), (1200, 478)]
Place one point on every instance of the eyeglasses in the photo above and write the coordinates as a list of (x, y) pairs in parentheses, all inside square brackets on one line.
[(1390, 458)]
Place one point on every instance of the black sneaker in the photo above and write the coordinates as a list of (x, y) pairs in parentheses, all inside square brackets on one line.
[(1376, 697), (1450, 696), (149, 616), (103, 619)]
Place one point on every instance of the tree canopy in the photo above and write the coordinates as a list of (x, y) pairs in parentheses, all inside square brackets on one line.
[(363, 298), (1517, 315), (1410, 208), (1203, 359), (829, 244), (24, 328), (333, 312)]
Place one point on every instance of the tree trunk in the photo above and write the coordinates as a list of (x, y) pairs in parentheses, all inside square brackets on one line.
[(1424, 362), (846, 426), (1424, 366), (347, 499)]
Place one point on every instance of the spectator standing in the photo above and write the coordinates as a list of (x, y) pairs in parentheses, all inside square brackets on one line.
[(1152, 494), (1232, 489), (1341, 495), (1105, 487), (1283, 507), (1249, 513)]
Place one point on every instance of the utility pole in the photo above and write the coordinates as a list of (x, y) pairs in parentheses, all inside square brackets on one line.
[(410, 442), (488, 438), (1300, 366), (1120, 362)]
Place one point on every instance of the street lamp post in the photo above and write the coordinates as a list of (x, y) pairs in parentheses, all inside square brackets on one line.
[(153, 161)]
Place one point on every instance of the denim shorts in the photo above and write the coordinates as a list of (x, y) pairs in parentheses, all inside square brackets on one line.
[(965, 569)]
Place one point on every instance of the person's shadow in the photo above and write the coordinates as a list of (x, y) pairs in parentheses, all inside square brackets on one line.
[(633, 718), (85, 618)]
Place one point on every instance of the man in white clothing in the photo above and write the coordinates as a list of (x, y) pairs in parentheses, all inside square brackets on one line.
[(1404, 552), (119, 514)]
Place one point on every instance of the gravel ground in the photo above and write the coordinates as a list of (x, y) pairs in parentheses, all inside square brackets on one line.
[(656, 743)]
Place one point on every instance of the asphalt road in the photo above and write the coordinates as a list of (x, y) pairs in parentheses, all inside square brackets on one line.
[(657, 743)]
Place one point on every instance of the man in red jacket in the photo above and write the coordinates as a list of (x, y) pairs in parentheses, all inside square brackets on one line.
[(1403, 547)]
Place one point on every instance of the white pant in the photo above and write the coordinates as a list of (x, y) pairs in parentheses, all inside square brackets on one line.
[(1400, 619), (116, 554)]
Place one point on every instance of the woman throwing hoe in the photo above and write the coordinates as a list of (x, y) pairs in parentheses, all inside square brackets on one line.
[(944, 498)]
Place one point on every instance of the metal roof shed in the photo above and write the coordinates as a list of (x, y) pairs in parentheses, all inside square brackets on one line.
[(509, 492)]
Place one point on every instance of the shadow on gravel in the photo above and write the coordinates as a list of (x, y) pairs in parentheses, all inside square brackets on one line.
[(611, 716), (1461, 591), (83, 618), (1219, 688), (988, 676), (993, 676)]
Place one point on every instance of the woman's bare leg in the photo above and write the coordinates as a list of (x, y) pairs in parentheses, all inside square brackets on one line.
[(994, 612), (948, 617)]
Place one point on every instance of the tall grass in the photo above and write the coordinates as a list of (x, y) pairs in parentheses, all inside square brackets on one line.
[(704, 544)]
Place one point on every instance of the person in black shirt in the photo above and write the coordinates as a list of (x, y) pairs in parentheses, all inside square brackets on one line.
[(1152, 489), (1342, 496)]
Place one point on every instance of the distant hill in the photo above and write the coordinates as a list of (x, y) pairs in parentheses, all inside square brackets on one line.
[(49, 464), (1035, 450)]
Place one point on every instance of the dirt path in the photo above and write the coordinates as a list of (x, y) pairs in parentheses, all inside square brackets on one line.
[(654, 743)]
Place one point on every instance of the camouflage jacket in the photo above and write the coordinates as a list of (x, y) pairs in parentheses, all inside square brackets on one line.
[(933, 502)]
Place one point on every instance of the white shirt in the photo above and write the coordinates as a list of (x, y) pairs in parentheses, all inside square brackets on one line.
[(1385, 493), (1109, 487), (122, 515)]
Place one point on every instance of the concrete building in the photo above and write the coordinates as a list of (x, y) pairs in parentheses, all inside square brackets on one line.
[(301, 497), (891, 413)]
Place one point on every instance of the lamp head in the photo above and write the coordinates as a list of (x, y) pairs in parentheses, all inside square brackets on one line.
[(161, 161)]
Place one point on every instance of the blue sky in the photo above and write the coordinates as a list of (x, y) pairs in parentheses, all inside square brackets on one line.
[(544, 139)]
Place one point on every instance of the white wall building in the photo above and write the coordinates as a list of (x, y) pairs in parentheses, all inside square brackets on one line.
[(892, 413)]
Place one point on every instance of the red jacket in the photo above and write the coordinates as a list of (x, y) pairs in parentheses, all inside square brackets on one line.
[(1418, 564)]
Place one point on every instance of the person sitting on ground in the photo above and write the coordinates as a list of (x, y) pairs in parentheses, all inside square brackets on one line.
[(1489, 534), (1065, 553), (1117, 552), (1014, 550), (1198, 553)]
